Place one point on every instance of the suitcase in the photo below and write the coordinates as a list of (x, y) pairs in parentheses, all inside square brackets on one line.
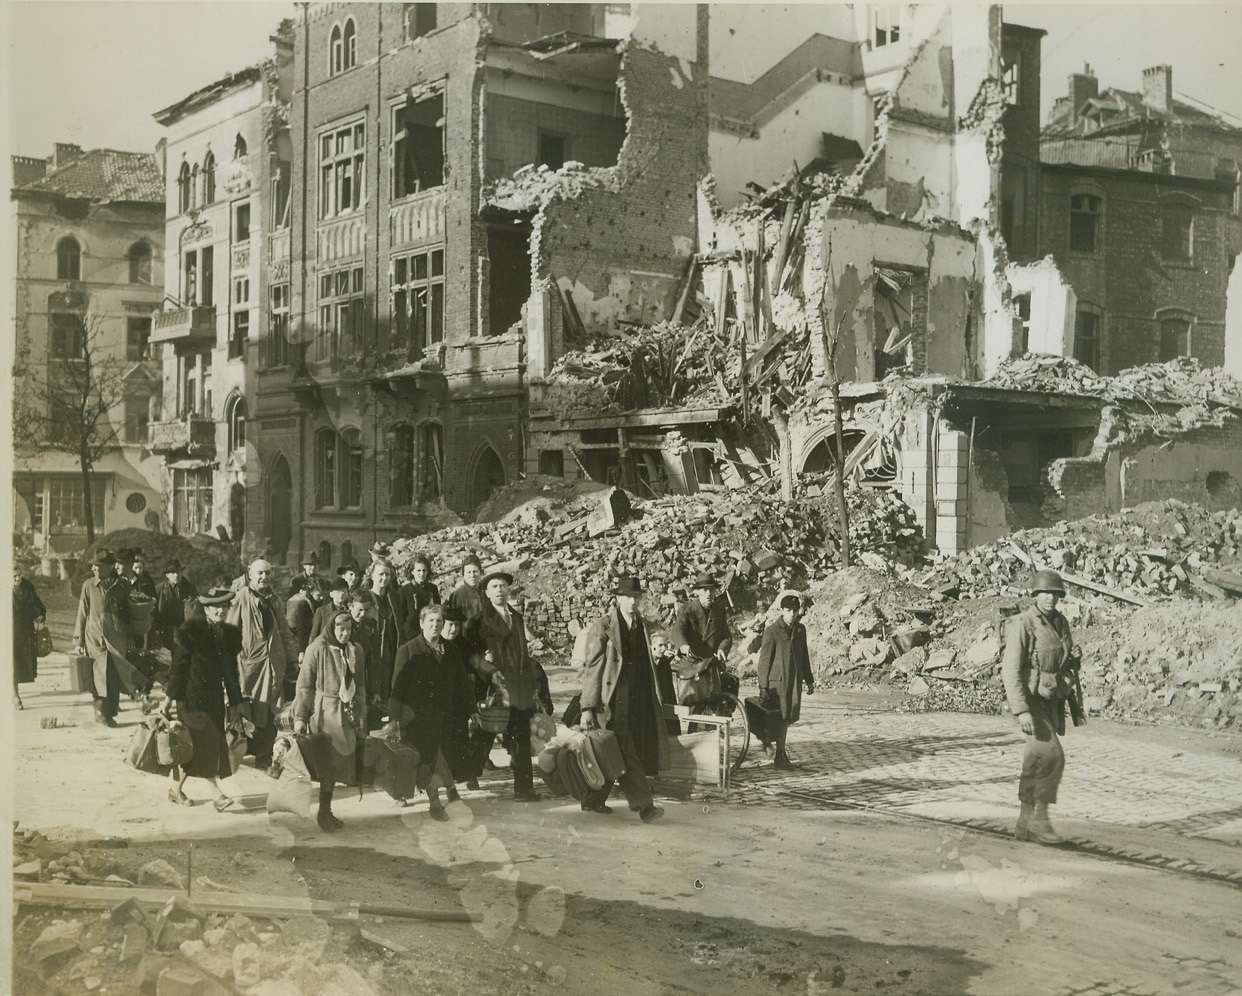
[(143, 751), (82, 674), (605, 751), (577, 747), (757, 715), (397, 769)]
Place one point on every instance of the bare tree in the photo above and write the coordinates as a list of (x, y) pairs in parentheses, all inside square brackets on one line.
[(69, 405), (832, 335)]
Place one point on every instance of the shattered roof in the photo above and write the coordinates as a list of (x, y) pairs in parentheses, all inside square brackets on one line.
[(1132, 108), (209, 93), (104, 176)]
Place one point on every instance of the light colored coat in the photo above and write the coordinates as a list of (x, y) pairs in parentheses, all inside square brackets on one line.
[(321, 680), (103, 629), (264, 657)]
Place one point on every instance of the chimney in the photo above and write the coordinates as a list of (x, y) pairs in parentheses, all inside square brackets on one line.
[(1158, 88), (1082, 87), (161, 156), (27, 169), (65, 154)]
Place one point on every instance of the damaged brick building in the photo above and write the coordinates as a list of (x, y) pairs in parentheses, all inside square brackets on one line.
[(638, 243)]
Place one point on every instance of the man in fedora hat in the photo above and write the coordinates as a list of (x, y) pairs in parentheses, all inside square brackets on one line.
[(171, 596), (702, 628), (502, 655), (314, 586), (102, 633), (338, 601), (352, 574), (620, 693), (267, 651)]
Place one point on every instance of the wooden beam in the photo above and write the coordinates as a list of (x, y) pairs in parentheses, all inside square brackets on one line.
[(1231, 582), (633, 420), (103, 897)]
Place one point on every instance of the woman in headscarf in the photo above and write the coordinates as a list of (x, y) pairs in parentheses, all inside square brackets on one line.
[(28, 613), (204, 672), (331, 703)]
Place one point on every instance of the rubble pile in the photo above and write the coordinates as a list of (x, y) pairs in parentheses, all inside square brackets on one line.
[(653, 366), (747, 536), (179, 948), (1152, 550), (531, 186), (1201, 396)]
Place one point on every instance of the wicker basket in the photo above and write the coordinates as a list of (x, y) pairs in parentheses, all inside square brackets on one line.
[(493, 718)]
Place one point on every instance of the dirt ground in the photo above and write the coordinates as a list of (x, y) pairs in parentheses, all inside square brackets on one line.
[(720, 896)]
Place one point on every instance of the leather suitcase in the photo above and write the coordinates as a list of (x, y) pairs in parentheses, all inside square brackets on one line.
[(397, 769), (143, 751), (606, 753), (81, 674), (757, 714)]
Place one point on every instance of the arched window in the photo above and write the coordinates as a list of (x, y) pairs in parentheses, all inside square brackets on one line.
[(139, 257), (1175, 334), (235, 416), (209, 179), (351, 469), (68, 259), (325, 468), (430, 462), (239, 147), (194, 201), (334, 52), (401, 466), (350, 39), (185, 198), (325, 554), (347, 551)]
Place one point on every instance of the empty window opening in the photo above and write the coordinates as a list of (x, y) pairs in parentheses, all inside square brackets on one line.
[(894, 320), (417, 302), (241, 223), (1176, 232), (552, 149), (431, 462), (1174, 338), (209, 179), (239, 335), (1087, 336), (139, 259), (886, 25), (401, 466), (418, 146), (508, 253), (1084, 221), (185, 196), (138, 339), (198, 277), (239, 147), (1022, 305), (278, 346), (235, 417), (420, 19), (552, 463), (341, 314)]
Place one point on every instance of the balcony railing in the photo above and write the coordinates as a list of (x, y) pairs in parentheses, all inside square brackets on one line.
[(190, 435), (192, 326)]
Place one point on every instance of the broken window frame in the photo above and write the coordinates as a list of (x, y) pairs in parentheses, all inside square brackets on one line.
[(413, 170), (241, 222), (239, 334), (1086, 210), (198, 277), (1177, 231), (342, 314), (277, 350), (1011, 76), (1089, 348), (420, 19), (66, 335), (886, 24), (342, 168), (429, 453), (137, 417), (235, 419), (137, 338), (401, 487), (416, 317), (890, 282)]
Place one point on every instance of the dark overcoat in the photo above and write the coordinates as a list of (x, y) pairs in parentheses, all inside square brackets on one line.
[(704, 630), (414, 598), (509, 654), (170, 607), (103, 629), (785, 666), (203, 676), (27, 607), (432, 703)]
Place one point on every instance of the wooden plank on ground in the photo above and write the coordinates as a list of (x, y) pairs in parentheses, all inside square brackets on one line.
[(1231, 582), (1204, 586), (1121, 596)]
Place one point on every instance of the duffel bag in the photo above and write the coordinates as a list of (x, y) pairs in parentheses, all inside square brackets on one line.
[(174, 744), (143, 752), (605, 752), (697, 682), (550, 762)]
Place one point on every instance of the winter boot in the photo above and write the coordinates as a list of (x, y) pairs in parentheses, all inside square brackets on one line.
[(1023, 830), (325, 819), (1040, 829)]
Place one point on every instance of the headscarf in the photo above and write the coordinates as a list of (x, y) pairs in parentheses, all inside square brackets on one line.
[(345, 651)]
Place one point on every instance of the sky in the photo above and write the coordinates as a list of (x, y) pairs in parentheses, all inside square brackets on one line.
[(92, 73)]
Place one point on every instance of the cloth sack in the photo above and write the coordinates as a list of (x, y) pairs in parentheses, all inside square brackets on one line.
[(569, 767), (143, 751), (290, 793), (697, 682), (549, 763), (174, 743), (43, 641)]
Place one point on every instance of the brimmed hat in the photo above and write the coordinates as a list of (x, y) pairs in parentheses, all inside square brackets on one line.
[(216, 596), (454, 614), (627, 585), (379, 549), (349, 565), (309, 558), (340, 584), (173, 566), (472, 559), (791, 602), (705, 580), (103, 558), (493, 576)]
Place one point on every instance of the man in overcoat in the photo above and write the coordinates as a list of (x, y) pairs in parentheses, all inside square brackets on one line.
[(502, 637), (171, 596), (702, 627), (338, 602), (267, 651), (389, 625), (784, 668), (102, 633), (620, 693)]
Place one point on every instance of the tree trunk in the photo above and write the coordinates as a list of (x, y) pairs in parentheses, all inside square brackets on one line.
[(785, 455), (88, 506), (843, 509)]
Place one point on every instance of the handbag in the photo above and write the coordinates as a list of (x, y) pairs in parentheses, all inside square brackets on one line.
[(493, 714), (143, 752), (174, 744), (697, 682), (43, 641)]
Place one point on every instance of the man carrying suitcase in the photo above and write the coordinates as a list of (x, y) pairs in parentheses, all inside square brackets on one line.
[(619, 693)]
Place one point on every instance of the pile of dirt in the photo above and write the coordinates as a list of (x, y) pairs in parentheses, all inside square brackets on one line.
[(1152, 550), (536, 491), (204, 560)]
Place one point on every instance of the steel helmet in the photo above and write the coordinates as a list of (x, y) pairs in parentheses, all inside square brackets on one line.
[(1047, 581)]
